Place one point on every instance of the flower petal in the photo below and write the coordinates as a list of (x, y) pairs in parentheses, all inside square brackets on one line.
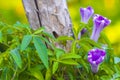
[(86, 13), (99, 23)]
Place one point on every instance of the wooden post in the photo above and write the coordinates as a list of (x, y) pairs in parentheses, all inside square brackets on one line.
[(52, 14)]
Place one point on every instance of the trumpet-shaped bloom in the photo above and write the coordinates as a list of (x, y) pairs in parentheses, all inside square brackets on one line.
[(95, 57), (100, 23), (83, 31), (86, 13)]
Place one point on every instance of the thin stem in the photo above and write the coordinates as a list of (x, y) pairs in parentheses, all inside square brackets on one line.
[(81, 74), (14, 75)]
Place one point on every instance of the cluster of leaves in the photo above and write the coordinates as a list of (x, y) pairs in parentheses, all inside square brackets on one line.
[(26, 54)]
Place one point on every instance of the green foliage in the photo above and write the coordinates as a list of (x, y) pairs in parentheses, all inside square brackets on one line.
[(42, 50), (27, 54), (55, 67), (16, 56), (25, 42), (36, 73), (116, 60)]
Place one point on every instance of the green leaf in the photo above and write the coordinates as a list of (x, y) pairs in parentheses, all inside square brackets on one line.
[(78, 30), (46, 40), (48, 75), (116, 75), (69, 61), (36, 73), (71, 76), (9, 31), (55, 67), (3, 47), (21, 25), (50, 52), (117, 68), (84, 47), (107, 69), (103, 35), (59, 52), (3, 57), (25, 42), (84, 40), (48, 35), (116, 60), (2, 24), (5, 74), (16, 56), (1, 36), (69, 56), (38, 31), (107, 58), (42, 50), (1, 60), (84, 64), (75, 32), (105, 77), (60, 78), (64, 38), (73, 48)]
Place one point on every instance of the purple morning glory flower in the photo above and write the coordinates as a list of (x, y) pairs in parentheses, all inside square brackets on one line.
[(83, 31), (99, 23), (95, 57), (86, 13)]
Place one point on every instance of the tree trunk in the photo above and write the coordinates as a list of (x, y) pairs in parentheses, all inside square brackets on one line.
[(52, 14)]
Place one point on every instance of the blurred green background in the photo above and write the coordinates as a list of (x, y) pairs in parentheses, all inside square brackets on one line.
[(12, 11)]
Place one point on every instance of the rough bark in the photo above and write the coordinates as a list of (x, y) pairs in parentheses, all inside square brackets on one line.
[(52, 14), (32, 13)]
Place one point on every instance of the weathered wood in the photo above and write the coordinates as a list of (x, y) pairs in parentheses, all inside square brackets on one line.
[(52, 14), (31, 12)]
